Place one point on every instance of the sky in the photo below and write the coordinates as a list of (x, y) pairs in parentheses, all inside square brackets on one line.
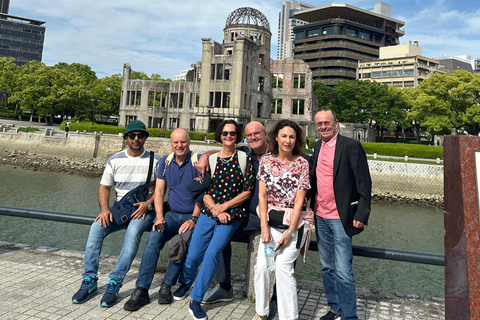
[(164, 37)]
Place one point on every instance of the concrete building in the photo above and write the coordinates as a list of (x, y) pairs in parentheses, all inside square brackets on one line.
[(450, 64), (400, 66), (286, 23), (20, 38), (338, 36), (233, 80)]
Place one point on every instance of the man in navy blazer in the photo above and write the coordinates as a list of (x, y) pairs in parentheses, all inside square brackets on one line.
[(341, 198)]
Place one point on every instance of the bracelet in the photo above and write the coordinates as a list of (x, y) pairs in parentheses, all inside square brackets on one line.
[(291, 233), (194, 219)]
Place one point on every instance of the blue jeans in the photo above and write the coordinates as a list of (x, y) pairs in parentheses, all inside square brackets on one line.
[(223, 272), (135, 229), (335, 249), (155, 243), (208, 240)]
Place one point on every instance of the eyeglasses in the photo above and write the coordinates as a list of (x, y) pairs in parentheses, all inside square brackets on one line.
[(231, 133), (324, 123), (255, 134), (132, 135)]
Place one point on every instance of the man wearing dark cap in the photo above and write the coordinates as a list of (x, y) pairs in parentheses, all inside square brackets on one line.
[(124, 171), (177, 172)]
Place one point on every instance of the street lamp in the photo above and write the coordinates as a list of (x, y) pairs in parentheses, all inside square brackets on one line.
[(95, 102), (209, 109)]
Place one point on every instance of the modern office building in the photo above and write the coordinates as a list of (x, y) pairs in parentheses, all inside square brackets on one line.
[(235, 79), (4, 4), (286, 23), (400, 66), (450, 64), (20, 38), (338, 36)]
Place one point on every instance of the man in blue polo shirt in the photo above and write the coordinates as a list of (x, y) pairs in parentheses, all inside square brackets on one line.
[(177, 174)]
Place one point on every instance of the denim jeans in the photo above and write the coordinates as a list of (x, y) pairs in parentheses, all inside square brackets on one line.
[(335, 249), (223, 272), (155, 243), (208, 242), (135, 229)]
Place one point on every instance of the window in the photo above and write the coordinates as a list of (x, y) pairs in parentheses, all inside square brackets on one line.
[(364, 35), (174, 123), (259, 109), (219, 71), (156, 99), (313, 33), (277, 80), (261, 82), (332, 30), (351, 32), (298, 106), (174, 100), (300, 35), (276, 106), (261, 58), (192, 124), (219, 99), (299, 81)]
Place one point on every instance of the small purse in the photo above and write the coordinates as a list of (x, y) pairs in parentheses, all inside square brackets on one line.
[(275, 219)]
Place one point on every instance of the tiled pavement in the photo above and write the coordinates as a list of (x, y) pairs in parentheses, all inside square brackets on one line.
[(38, 283)]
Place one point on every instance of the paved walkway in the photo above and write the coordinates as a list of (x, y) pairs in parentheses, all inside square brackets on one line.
[(38, 283)]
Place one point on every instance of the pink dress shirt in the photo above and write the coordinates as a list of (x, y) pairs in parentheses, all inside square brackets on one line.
[(325, 205)]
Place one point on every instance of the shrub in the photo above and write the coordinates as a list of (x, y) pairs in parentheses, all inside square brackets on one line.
[(27, 129), (402, 149)]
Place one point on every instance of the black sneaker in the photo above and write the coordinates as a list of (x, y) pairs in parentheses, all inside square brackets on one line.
[(181, 292), (138, 299), (87, 290), (110, 296), (196, 310), (165, 294)]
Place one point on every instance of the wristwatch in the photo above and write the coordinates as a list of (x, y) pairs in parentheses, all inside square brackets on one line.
[(194, 219), (291, 233), (149, 206)]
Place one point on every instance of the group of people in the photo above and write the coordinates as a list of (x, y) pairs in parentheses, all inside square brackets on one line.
[(264, 187)]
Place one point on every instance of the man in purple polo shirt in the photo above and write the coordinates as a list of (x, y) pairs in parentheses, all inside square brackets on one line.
[(177, 175), (341, 198)]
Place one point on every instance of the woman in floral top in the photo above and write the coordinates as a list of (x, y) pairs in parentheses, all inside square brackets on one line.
[(283, 183), (223, 212)]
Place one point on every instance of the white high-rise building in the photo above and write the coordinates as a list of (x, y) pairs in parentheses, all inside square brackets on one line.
[(286, 22)]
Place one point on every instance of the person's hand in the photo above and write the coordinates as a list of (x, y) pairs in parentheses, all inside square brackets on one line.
[(358, 224), (217, 209), (202, 165), (105, 217), (159, 225), (266, 235), (286, 237), (223, 217), (141, 210), (187, 225)]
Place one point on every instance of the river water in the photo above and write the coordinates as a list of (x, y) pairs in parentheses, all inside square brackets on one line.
[(396, 227)]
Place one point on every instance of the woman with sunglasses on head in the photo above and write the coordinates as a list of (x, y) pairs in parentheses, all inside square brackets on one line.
[(285, 222), (224, 209)]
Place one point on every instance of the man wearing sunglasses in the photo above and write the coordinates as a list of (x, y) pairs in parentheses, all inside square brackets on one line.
[(124, 171)]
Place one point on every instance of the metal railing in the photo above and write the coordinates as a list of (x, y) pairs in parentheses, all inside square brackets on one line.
[(363, 251)]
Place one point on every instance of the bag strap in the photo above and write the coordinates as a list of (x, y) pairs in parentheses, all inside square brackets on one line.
[(167, 162), (242, 161), (194, 159), (150, 167)]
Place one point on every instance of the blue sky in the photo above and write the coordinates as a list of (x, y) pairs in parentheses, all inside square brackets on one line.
[(165, 36)]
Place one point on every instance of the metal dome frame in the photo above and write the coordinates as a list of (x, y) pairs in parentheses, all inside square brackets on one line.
[(247, 16)]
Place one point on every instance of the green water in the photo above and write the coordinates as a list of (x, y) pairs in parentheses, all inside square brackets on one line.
[(396, 227)]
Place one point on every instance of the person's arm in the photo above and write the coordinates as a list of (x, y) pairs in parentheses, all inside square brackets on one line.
[(262, 212), (297, 210), (202, 163), (189, 224), (158, 197), (105, 215), (363, 185)]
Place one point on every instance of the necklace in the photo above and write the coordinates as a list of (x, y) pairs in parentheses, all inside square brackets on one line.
[(223, 160)]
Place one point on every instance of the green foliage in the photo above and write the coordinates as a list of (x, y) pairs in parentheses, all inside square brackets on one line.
[(27, 129), (87, 126), (401, 149)]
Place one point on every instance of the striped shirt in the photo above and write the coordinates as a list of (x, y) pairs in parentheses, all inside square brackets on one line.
[(125, 173)]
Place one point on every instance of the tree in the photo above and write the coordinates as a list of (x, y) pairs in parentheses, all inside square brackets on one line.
[(7, 71), (325, 95), (107, 91)]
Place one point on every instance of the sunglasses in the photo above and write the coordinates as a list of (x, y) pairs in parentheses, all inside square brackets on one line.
[(231, 133), (132, 135)]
